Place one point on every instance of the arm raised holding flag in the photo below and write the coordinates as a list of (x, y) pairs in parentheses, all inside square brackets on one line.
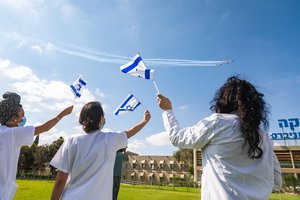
[(133, 130)]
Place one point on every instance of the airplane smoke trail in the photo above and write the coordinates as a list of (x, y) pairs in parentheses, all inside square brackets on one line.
[(103, 57)]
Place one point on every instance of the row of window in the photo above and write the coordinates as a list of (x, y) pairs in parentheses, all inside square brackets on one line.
[(153, 166)]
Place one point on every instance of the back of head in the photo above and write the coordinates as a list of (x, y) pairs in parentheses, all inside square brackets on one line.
[(9, 106), (238, 95), (90, 116)]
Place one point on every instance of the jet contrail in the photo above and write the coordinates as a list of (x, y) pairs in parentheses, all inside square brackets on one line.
[(103, 57)]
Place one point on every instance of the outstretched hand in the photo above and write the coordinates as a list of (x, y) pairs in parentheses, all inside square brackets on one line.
[(163, 102), (147, 116), (67, 111)]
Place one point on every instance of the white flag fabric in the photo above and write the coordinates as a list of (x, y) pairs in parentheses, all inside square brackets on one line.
[(77, 87), (137, 67), (129, 104)]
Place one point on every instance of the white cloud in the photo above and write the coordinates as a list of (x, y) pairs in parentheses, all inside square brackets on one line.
[(47, 138), (99, 94), (37, 48), (44, 94), (17, 72), (159, 139), (136, 145)]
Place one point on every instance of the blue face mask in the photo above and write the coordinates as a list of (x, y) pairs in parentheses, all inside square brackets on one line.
[(23, 122)]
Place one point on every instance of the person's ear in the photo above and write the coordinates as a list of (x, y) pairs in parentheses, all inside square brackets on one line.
[(14, 119), (102, 119)]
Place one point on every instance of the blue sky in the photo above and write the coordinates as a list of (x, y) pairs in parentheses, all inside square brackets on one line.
[(46, 45)]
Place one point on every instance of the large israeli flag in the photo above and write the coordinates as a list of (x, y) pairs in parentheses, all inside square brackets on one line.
[(129, 104), (137, 67), (77, 87)]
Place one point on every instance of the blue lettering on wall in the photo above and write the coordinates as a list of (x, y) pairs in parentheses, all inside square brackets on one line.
[(290, 123)]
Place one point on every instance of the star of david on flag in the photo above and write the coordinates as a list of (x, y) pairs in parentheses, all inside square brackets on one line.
[(77, 87), (137, 67), (129, 104)]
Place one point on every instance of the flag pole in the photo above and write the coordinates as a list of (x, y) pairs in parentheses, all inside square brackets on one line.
[(155, 86)]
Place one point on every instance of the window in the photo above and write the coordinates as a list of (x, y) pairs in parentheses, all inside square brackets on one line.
[(134, 165), (152, 166)]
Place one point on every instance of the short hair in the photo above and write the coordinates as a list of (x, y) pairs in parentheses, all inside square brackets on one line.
[(90, 116)]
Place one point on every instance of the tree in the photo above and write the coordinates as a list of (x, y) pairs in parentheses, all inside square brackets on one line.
[(41, 160), (53, 148), (185, 155)]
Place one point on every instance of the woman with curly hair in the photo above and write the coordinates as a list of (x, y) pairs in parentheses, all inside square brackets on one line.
[(238, 161), (13, 135)]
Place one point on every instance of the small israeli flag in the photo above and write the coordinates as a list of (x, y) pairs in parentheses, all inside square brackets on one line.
[(130, 104), (137, 67), (77, 87)]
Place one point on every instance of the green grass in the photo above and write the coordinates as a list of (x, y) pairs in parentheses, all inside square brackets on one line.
[(41, 190)]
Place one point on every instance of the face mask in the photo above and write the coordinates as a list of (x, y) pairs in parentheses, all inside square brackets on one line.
[(23, 122), (102, 125)]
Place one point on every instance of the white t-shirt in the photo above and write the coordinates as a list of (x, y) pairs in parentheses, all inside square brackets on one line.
[(89, 161), (11, 140), (228, 172)]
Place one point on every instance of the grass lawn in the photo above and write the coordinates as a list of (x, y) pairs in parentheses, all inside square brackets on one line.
[(41, 190)]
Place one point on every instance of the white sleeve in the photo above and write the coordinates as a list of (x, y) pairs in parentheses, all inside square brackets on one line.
[(61, 160), (23, 135), (195, 137), (277, 174), (120, 139)]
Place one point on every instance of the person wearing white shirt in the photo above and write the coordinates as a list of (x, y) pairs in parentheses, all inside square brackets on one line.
[(238, 161), (85, 162), (13, 135)]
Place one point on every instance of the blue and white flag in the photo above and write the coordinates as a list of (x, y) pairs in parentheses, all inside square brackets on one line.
[(77, 87), (137, 67), (129, 104)]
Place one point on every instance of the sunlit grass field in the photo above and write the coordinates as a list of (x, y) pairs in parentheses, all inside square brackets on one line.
[(41, 190)]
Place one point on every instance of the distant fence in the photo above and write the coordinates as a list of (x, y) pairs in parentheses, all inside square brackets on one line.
[(161, 185), (35, 176)]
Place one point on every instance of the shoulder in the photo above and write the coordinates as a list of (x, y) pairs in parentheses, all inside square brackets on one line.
[(223, 117)]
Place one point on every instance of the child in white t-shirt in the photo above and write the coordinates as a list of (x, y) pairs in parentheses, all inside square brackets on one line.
[(13, 135), (85, 162)]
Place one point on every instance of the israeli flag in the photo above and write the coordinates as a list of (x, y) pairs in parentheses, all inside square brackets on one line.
[(130, 104), (137, 67), (77, 87)]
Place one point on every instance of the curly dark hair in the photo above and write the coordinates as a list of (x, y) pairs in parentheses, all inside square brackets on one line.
[(90, 116), (240, 96)]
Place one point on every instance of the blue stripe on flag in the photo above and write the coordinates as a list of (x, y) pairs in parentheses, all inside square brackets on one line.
[(137, 105), (147, 74), (125, 102), (133, 65), (75, 91), (82, 82)]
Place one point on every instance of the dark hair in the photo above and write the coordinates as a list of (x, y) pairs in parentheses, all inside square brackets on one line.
[(90, 116), (241, 96)]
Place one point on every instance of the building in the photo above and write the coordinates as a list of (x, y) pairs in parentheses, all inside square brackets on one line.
[(153, 169), (288, 156)]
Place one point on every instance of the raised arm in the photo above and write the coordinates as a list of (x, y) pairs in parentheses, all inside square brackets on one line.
[(52, 122), (133, 130)]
